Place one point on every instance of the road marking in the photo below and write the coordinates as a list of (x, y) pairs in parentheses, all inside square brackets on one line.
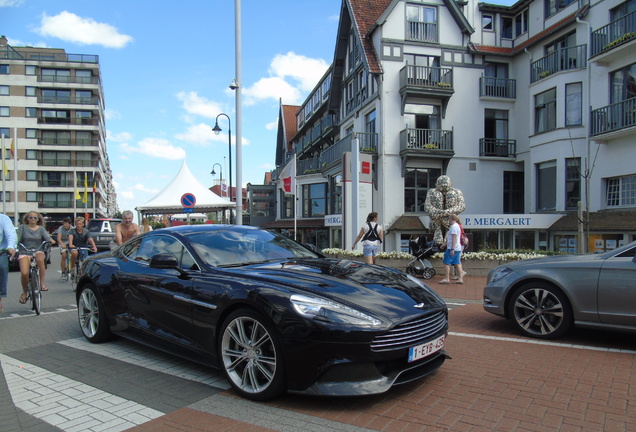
[(68, 404), (30, 313), (543, 342), (133, 353)]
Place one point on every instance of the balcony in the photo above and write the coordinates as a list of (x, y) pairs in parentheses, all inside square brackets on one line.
[(68, 79), (69, 121), (418, 82), (497, 147), (490, 87), (422, 31), (435, 143), (618, 33), (69, 100), (34, 54), (614, 120), (66, 162), (321, 131), (563, 59), (56, 183), (69, 142)]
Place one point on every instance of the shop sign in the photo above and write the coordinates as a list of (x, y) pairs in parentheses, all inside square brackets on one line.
[(333, 220), (505, 221)]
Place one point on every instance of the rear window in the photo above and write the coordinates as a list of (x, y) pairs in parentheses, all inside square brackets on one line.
[(102, 226)]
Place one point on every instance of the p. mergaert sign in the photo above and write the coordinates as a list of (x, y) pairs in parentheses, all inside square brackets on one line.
[(505, 221)]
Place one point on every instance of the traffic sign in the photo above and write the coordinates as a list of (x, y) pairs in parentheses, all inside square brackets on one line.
[(188, 209), (188, 200)]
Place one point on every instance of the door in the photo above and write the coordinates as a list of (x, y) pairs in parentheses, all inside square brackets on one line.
[(617, 289)]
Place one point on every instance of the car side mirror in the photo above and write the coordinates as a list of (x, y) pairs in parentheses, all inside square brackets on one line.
[(166, 261)]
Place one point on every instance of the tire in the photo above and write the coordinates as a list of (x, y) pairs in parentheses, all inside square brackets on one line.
[(36, 294), (91, 315), (428, 273), (540, 310), (255, 371)]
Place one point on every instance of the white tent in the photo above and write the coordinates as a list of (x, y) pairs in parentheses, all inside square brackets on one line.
[(168, 201)]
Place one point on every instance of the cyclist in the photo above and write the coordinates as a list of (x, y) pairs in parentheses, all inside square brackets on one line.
[(31, 234), (79, 238), (8, 240), (62, 240)]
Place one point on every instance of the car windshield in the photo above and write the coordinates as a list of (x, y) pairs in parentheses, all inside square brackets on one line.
[(227, 248)]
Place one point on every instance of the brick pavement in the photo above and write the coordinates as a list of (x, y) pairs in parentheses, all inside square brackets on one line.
[(496, 380)]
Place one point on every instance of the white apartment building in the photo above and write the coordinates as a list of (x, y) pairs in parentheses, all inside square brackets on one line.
[(52, 112), (529, 109)]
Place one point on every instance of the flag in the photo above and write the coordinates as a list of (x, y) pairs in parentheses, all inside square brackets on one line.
[(288, 177), (77, 194), (12, 148), (5, 169), (94, 186), (85, 197)]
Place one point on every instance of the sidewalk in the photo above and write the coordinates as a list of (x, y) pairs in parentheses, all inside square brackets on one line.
[(472, 289)]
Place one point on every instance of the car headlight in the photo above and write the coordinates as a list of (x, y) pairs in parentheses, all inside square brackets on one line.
[(325, 310), (499, 273)]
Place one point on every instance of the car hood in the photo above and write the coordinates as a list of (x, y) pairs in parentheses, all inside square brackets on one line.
[(376, 289), (554, 260)]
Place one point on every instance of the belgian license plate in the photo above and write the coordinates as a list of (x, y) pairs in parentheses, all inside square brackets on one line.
[(425, 350)]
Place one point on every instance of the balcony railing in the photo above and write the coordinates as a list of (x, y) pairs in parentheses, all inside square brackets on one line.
[(66, 162), (426, 139), (426, 77), (55, 183), (614, 34), (307, 166), (68, 120), (68, 79), (421, 31), (20, 54), (498, 87), (69, 100), (497, 147), (613, 117), (560, 60), (69, 142), (59, 204)]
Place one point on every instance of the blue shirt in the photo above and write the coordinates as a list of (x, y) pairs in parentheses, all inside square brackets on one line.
[(8, 237)]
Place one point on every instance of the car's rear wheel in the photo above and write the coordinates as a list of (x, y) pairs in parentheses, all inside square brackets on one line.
[(540, 310), (92, 318), (251, 356)]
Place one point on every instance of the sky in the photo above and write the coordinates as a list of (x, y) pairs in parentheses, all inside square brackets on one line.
[(166, 69)]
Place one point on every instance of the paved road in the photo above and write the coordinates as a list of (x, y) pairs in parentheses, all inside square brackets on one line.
[(53, 380)]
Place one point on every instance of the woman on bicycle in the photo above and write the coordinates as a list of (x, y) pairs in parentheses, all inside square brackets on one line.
[(79, 238), (62, 240), (31, 234)]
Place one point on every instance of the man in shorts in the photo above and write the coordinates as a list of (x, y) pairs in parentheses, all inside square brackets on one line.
[(127, 229), (79, 237)]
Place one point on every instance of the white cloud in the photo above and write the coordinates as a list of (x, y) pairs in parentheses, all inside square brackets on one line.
[(272, 126), (129, 195), (84, 31), (118, 137), (18, 43), (155, 147), (195, 104), (200, 134), (307, 71), (143, 188), (10, 3), (112, 114), (272, 88)]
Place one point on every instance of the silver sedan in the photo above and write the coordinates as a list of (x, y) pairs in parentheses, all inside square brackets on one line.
[(545, 297)]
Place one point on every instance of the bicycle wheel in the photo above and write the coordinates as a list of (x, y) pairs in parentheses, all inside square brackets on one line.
[(73, 277), (36, 294)]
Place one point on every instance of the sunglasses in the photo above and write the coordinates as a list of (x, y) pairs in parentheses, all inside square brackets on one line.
[(33, 217)]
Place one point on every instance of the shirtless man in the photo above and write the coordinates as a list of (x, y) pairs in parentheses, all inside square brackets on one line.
[(126, 229)]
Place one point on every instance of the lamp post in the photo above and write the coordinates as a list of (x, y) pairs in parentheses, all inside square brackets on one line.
[(220, 176), (217, 130)]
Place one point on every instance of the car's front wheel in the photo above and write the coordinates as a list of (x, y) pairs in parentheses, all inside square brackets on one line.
[(540, 310), (251, 356), (92, 318)]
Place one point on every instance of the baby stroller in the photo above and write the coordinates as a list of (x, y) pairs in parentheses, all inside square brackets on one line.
[(422, 250)]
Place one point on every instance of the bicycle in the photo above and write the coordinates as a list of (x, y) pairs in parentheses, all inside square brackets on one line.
[(75, 272), (34, 292), (67, 266)]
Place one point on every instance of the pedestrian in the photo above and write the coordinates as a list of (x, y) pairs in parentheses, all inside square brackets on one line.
[(8, 243), (127, 229), (32, 234), (452, 255), (145, 226), (372, 236), (62, 241)]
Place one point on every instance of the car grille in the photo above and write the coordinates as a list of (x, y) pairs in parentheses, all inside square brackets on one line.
[(410, 333)]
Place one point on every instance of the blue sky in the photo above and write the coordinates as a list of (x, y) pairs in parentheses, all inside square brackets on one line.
[(166, 69)]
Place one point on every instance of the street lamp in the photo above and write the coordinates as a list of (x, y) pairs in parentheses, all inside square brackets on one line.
[(217, 130), (220, 175)]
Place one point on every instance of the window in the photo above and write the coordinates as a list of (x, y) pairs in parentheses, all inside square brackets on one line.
[(31, 133), (572, 183), (314, 200), (546, 186), (369, 127), (4, 90), (31, 175), (554, 6), (31, 154), (53, 158), (4, 111), (30, 70), (486, 22), (31, 112), (4, 69), (621, 191), (335, 186), (83, 159), (7, 197), (287, 209), (59, 200), (506, 27), (84, 96), (521, 23), (513, 191), (417, 182), (32, 196), (31, 91), (573, 104), (495, 133), (84, 76), (56, 96), (545, 111), (622, 81), (421, 23), (6, 132), (56, 75), (84, 138)]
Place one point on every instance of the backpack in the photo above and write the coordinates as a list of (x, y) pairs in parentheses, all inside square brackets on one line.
[(372, 234)]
